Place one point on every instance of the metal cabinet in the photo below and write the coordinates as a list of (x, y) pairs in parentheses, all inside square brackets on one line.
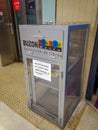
[(54, 58)]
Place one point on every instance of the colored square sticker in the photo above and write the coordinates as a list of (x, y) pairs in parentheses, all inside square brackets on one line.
[(47, 43), (59, 44), (39, 41), (50, 43)]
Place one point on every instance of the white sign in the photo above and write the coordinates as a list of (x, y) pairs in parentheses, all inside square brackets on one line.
[(42, 70)]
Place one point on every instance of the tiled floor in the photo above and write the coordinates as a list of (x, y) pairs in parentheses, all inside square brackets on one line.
[(85, 117), (13, 93), (10, 120), (89, 119)]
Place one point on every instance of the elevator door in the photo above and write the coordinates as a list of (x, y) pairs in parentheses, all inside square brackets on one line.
[(30, 13), (7, 38)]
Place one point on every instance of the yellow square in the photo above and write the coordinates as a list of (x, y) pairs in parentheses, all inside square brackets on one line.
[(47, 43), (59, 44)]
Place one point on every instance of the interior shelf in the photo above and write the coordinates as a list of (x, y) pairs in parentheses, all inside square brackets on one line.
[(72, 62)]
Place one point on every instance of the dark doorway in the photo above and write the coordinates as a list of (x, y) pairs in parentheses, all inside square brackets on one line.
[(93, 76)]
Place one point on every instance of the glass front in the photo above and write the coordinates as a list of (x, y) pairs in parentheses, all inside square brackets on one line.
[(75, 62), (74, 71), (47, 92)]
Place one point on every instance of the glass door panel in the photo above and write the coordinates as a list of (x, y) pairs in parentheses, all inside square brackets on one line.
[(75, 61), (74, 72), (47, 98), (47, 92)]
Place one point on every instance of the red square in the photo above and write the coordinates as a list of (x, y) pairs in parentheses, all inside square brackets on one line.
[(16, 5), (39, 41), (50, 43)]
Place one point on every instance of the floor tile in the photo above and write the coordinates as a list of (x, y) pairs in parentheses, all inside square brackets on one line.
[(10, 120)]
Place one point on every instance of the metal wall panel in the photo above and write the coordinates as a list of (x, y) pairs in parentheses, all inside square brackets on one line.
[(7, 39)]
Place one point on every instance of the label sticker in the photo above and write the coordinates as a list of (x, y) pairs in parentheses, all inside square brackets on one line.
[(42, 70)]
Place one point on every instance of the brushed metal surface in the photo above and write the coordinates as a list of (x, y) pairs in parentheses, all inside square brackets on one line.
[(6, 45), (7, 39)]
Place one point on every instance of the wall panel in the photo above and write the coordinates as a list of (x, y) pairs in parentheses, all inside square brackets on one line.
[(76, 10), (59, 11), (80, 11), (89, 10)]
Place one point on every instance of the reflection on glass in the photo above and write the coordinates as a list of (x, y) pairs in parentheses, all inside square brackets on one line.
[(75, 61)]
